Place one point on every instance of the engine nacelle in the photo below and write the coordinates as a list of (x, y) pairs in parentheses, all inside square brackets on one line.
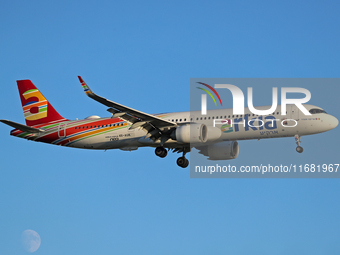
[(213, 133), (221, 151), (190, 133)]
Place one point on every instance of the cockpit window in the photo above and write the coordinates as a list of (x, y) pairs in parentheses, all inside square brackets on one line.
[(314, 111)]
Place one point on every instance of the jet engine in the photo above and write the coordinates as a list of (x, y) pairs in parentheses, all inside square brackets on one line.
[(220, 151), (213, 133), (190, 133)]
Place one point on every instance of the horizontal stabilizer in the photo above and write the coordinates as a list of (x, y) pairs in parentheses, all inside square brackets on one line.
[(22, 127)]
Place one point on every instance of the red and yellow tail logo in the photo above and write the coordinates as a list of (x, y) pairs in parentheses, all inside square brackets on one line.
[(37, 110)]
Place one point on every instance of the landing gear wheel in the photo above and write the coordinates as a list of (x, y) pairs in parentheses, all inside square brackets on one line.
[(182, 162), (186, 163), (161, 152), (299, 149)]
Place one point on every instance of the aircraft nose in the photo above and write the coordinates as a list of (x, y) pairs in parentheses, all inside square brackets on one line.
[(333, 122), (336, 122)]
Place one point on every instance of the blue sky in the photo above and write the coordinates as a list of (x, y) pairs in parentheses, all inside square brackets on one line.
[(143, 54)]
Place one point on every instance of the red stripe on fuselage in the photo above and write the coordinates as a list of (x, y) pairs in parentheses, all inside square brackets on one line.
[(77, 129), (83, 125)]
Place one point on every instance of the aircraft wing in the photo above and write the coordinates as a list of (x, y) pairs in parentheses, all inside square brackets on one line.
[(152, 124)]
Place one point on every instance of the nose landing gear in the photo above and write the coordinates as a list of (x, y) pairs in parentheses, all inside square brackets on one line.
[(299, 149)]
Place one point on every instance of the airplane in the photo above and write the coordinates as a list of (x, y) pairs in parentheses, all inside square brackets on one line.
[(215, 134)]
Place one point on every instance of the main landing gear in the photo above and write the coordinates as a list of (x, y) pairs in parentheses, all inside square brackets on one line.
[(161, 152), (299, 149), (181, 161)]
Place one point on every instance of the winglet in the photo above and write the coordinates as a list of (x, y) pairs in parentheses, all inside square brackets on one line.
[(86, 88)]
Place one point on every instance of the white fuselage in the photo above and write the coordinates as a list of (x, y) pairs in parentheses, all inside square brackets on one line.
[(233, 127)]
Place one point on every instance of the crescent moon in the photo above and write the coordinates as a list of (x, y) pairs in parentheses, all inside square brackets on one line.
[(30, 240)]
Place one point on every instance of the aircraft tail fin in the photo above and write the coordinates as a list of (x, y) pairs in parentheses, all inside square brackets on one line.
[(37, 110)]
